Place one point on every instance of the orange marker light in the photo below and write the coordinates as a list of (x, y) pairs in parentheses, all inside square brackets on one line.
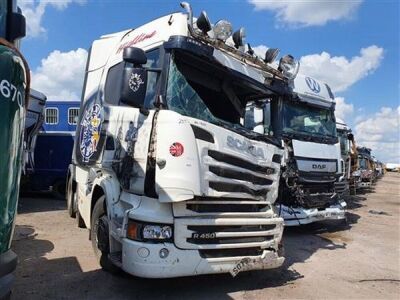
[(132, 231)]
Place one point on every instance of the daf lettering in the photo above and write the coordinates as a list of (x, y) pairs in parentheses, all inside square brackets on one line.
[(318, 166), (245, 146)]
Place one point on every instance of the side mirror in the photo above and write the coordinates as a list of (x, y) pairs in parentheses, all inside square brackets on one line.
[(17, 27), (350, 136), (135, 56), (134, 86), (134, 78)]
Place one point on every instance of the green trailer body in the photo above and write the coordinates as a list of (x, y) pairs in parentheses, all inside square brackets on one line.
[(12, 123), (13, 88)]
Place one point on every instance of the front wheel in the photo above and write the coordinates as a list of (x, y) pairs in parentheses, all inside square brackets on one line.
[(71, 199), (100, 236)]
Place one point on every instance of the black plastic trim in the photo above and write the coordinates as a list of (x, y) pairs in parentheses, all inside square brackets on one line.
[(276, 158), (236, 188), (202, 134), (233, 160), (228, 173)]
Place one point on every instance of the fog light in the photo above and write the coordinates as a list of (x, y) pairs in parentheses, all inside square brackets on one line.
[(164, 253), (143, 252)]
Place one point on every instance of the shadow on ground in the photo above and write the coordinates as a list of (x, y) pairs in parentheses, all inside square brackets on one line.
[(40, 202)]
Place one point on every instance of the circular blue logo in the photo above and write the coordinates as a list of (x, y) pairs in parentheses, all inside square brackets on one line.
[(313, 85)]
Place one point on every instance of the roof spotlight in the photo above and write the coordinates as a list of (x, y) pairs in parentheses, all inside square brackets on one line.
[(239, 37), (203, 22), (222, 30), (271, 55), (289, 66)]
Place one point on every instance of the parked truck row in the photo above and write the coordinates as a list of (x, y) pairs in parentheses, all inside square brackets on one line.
[(190, 153)]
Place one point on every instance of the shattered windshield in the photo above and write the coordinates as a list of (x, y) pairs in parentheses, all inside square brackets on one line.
[(305, 119), (198, 92)]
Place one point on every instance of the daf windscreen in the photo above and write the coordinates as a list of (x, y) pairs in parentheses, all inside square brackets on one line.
[(305, 120)]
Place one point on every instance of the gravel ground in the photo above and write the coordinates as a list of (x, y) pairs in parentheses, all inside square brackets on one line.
[(357, 259)]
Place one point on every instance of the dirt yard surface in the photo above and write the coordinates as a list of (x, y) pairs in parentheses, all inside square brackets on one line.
[(360, 259)]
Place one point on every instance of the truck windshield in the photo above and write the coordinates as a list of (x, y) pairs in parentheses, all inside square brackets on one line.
[(197, 91), (3, 18), (363, 163), (344, 142), (305, 119)]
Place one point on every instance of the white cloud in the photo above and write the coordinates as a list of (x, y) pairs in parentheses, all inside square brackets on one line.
[(343, 109), (260, 50), (340, 72), (33, 10), (60, 75), (381, 133), (308, 12)]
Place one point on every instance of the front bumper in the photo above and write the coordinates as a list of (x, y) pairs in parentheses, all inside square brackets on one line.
[(8, 263), (143, 260), (301, 216), (364, 184)]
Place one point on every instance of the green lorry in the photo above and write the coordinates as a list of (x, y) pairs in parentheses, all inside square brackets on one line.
[(14, 89)]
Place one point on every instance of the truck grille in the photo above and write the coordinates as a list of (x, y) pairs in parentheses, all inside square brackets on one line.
[(231, 175), (225, 233)]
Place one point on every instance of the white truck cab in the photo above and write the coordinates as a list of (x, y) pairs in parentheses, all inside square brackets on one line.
[(349, 154), (312, 164), (164, 175)]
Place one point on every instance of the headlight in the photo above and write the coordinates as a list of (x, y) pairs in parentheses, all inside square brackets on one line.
[(149, 232), (156, 232), (222, 30), (289, 66), (357, 173)]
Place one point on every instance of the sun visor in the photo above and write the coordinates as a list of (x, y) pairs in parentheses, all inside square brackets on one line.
[(313, 91)]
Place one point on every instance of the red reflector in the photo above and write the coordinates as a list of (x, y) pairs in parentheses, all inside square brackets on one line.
[(176, 149)]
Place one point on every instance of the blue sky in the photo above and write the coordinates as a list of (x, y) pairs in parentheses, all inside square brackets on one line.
[(367, 81)]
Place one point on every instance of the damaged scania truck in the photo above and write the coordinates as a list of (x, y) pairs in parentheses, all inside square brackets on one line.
[(311, 166), (163, 173), (14, 93)]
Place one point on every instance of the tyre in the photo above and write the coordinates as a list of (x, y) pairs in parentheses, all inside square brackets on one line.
[(79, 221), (71, 199), (99, 234)]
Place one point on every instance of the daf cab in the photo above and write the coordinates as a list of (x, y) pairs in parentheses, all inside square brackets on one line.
[(312, 164)]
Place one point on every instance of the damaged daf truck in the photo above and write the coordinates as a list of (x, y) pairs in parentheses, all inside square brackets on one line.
[(14, 93), (164, 175), (311, 167)]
